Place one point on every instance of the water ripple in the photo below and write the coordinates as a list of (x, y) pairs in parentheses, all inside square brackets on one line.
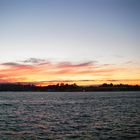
[(70, 116)]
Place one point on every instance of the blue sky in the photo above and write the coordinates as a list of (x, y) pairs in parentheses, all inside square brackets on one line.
[(106, 31), (70, 29)]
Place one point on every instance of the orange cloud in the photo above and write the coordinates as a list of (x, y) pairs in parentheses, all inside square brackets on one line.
[(39, 70)]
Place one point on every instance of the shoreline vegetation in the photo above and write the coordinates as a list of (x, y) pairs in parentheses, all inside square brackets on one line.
[(67, 87)]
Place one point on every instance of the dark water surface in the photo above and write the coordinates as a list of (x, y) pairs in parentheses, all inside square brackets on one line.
[(70, 116)]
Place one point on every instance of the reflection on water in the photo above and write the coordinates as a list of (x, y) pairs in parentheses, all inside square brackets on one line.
[(68, 116)]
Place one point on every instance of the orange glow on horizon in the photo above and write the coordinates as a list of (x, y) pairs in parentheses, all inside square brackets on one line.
[(86, 73), (82, 83)]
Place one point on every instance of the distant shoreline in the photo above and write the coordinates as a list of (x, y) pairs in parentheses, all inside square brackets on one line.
[(67, 88)]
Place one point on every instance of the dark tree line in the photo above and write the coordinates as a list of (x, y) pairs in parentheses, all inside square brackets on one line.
[(67, 87)]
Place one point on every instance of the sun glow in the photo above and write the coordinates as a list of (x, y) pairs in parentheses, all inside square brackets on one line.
[(42, 72)]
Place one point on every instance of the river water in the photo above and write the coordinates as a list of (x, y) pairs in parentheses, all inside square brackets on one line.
[(70, 116)]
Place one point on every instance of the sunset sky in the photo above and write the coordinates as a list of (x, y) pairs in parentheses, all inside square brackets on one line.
[(72, 41)]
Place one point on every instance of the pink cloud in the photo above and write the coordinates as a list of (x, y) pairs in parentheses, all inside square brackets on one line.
[(43, 69)]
